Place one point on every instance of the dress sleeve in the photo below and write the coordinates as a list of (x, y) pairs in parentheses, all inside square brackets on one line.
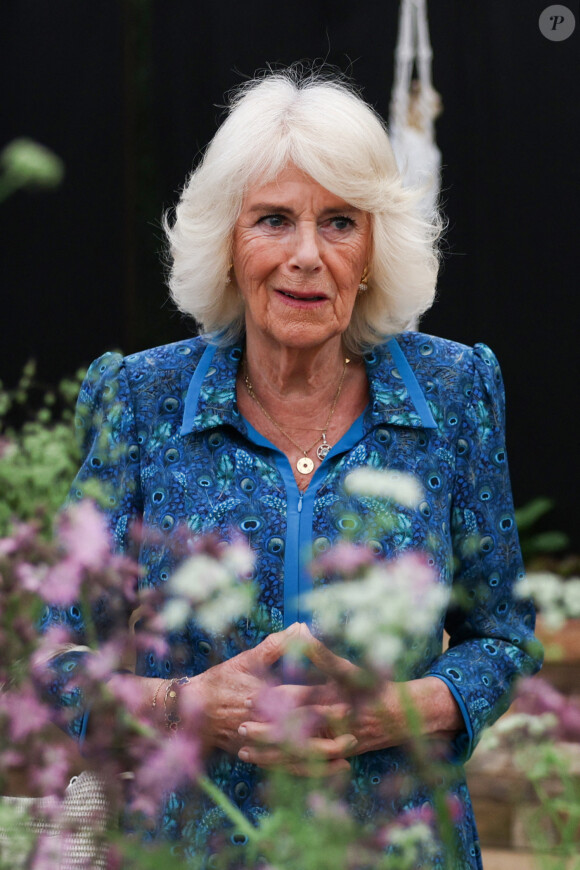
[(491, 630), (109, 473)]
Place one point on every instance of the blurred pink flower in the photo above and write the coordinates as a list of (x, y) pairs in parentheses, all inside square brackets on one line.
[(114, 858), (25, 712), (48, 851), (176, 762), (536, 696), (127, 689), (343, 558), (62, 583), (326, 807), (31, 577), (102, 663), (455, 807), (11, 758), (125, 572), (83, 531), (425, 813), (290, 722), (52, 774), (23, 535), (412, 569)]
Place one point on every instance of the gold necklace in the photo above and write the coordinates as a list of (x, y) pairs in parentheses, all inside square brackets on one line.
[(305, 465)]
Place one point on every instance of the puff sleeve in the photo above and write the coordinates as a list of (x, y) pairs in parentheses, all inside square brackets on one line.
[(108, 440), (491, 629)]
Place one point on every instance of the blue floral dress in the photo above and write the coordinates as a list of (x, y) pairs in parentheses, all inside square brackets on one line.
[(163, 429)]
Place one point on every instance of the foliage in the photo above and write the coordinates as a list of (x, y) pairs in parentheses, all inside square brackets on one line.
[(538, 543), (38, 451), (538, 739), (540, 734), (25, 163)]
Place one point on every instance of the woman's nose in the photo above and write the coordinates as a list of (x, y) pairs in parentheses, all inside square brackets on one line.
[(305, 253)]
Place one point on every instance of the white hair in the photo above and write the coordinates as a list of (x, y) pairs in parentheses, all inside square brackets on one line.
[(321, 125)]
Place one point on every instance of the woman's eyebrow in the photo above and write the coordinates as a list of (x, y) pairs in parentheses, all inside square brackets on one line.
[(284, 209), (271, 207)]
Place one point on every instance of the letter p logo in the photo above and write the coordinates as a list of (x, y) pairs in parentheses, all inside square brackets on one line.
[(557, 23)]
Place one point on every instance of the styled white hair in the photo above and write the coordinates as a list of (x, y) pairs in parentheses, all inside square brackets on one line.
[(321, 125)]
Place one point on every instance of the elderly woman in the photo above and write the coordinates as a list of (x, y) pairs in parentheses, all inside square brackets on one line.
[(303, 260)]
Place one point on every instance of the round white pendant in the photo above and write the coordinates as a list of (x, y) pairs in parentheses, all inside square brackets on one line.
[(322, 451), (305, 465)]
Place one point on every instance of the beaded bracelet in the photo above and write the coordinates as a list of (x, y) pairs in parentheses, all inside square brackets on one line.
[(172, 717)]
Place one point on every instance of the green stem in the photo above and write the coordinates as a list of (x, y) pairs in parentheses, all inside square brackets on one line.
[(425, 765), (412, 715), (219, 798)]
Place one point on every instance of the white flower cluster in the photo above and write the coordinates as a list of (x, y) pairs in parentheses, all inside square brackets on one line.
[(379, 611), (414, 843), (213, 592), (557, 598), (533, 726), (396, 486)]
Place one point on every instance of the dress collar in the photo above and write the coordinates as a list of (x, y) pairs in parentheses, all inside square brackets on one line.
[(396, 397)]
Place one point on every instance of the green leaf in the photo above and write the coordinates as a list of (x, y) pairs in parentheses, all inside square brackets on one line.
[(546, 542), (531, 512)]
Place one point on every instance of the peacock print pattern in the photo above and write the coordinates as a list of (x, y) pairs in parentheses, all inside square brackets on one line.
[(162, 432)]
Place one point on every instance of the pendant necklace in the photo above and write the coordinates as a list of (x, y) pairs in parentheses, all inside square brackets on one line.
[(305, 465)]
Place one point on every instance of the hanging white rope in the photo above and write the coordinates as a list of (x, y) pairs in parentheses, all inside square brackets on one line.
[(415, 105)]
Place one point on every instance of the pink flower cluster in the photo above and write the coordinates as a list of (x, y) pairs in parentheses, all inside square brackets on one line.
[(80, 568), (535, 696)]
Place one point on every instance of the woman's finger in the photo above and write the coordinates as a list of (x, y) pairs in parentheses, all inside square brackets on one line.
[(325, 660), (293, 696), (341, 746), (313, 749), (270, 649), (314, 716)]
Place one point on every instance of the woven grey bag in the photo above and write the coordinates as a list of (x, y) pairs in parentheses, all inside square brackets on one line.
[(71, 841)]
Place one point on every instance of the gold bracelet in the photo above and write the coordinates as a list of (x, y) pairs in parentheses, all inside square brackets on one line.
[(154, 701), (172, 717)]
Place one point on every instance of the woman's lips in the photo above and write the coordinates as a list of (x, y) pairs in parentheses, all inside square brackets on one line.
[(291, 297)]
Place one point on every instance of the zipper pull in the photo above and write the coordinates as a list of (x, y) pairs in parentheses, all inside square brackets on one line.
[(300, 502)]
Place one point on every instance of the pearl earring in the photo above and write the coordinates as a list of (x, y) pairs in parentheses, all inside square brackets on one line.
[(363, 286)]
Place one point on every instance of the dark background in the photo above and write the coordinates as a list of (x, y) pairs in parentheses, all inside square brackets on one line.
[(127, 92)]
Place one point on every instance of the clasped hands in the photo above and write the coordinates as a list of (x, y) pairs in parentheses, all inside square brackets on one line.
[(302, 728)]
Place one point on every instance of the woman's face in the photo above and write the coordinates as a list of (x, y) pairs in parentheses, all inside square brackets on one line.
[(298, 253)]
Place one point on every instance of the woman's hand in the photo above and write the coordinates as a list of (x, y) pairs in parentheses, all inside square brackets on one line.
[(223, 690), (306, 739), (377, 721)]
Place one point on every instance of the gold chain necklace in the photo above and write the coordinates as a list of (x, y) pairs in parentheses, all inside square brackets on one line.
[(305, 465)]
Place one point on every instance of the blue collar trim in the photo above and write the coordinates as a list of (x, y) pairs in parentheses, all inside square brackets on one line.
[(194, 389), (208, 404), (415, 392)]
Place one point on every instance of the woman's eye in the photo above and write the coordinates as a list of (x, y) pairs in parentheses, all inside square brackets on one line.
[(273, 220), (341, 222)]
